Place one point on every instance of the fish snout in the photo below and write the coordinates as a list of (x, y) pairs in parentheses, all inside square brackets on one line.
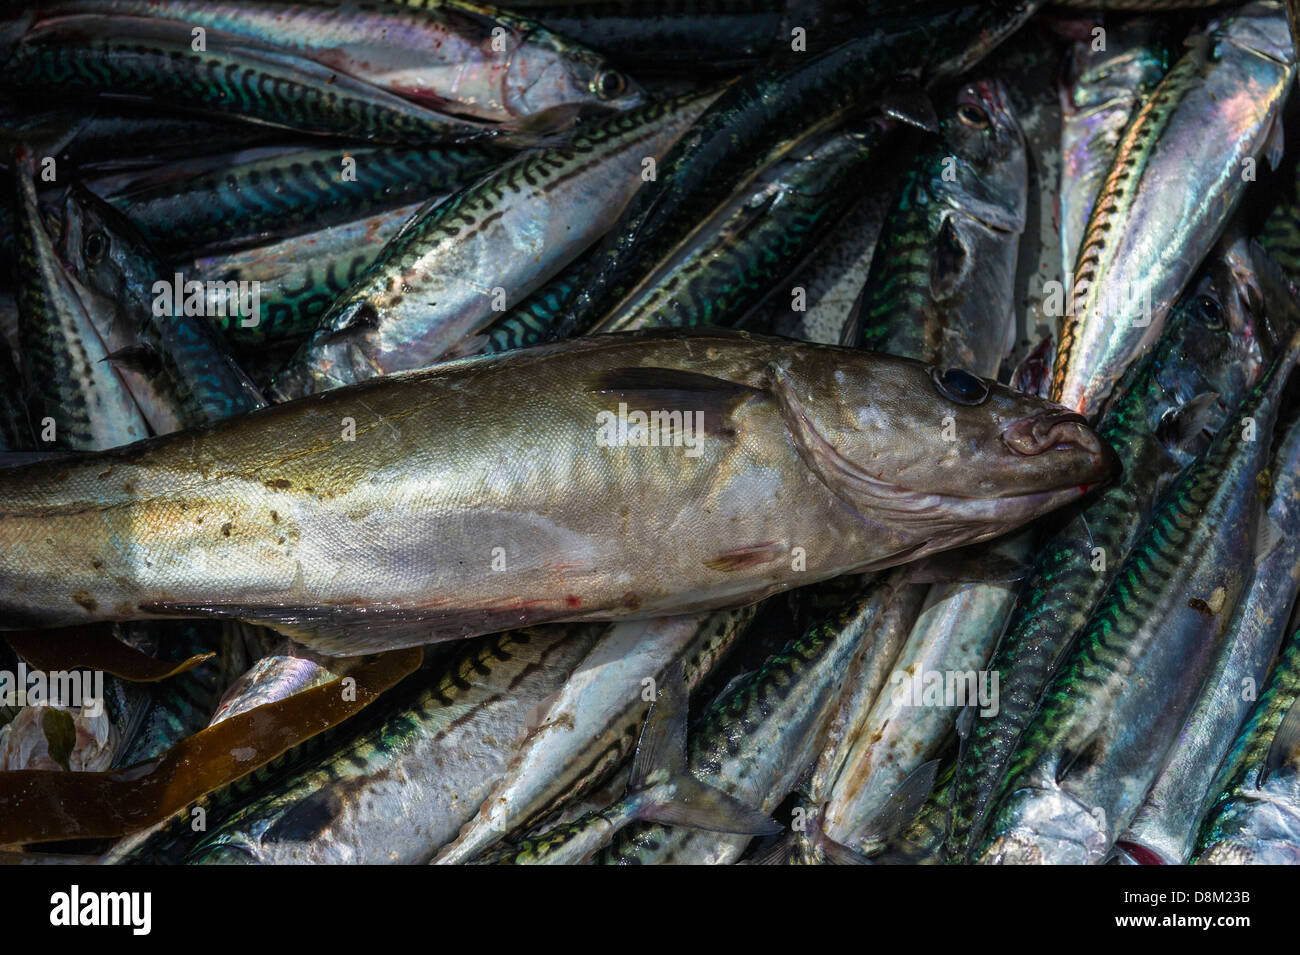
[(1061, 431)]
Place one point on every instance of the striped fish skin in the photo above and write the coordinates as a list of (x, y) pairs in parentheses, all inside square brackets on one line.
[(941, 291), (900, 604), (732, 261), (953, 634), (593, 724), (15, 427), (513, 229), (300, 276), (92, 56), (1168, 821), (231, 201), (69, 382), (758, 119), (759, 737), (1112, 712), (357, 542), (199, 376), (396, 793), (1102, 93), (1213, 111), (1201, 353), (1254, 818), (831, 277), (531, 322), (438, 53), (947, 253)]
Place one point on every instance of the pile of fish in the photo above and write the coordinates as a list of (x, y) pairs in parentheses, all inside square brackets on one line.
[(625, 432)]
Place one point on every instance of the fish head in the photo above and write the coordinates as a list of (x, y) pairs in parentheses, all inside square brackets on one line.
[(1262, 28), (1045, 826), (983, 169), (977, 459), (103, 250), (541, 77), (1210, 353)]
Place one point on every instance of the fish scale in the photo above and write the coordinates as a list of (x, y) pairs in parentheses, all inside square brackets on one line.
[(405, 728), (1227, 834), (67, 378), (760, 118), (734, 259), (1115, 199), (1213, 112)]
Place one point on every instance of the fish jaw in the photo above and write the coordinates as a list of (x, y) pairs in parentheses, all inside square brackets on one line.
[(1046, 826)]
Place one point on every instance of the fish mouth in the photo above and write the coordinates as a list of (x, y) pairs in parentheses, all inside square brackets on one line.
[(1062, 430)]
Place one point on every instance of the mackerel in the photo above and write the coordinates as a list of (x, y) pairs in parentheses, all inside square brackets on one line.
[(1202, 367), (434, 283), (591, 726), (1214, 112), (1254, 818), (463, 59), (1166, 825), (1113, 711)]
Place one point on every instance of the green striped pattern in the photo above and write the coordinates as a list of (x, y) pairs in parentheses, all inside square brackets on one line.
[(297, 192), (1062, 589), (1186, 512)]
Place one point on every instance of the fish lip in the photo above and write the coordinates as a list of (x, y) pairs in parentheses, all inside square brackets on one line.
[(1054, 428)]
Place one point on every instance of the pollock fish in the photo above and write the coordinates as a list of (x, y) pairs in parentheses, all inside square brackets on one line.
[(1214, 112), (1109, 717), (371, 517), (512, 230)]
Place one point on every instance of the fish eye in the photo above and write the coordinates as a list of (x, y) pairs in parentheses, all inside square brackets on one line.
[(1212, 311), (973, 116), (960, 386), (609, 84), (94, 247)]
